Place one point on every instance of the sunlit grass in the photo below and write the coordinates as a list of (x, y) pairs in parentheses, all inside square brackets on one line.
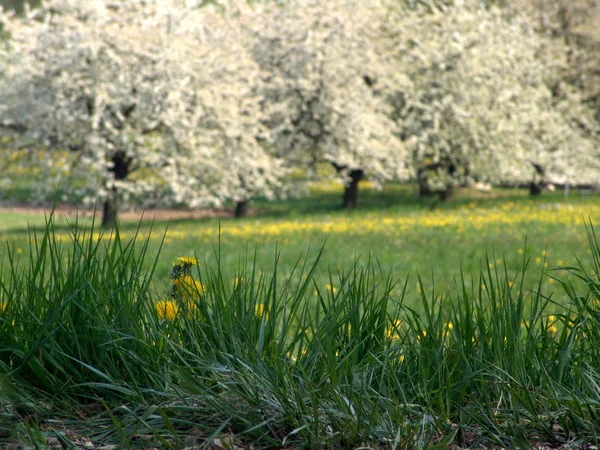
[(403, 234), (98, 343)]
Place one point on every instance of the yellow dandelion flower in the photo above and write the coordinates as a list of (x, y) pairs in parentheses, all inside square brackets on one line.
[(192, 309), (186, 286), (3, 306), (401, 358), (331, 288), (260, 311), (238, 281), (520, 251), (166, 309), (185, 261), (393, 332)]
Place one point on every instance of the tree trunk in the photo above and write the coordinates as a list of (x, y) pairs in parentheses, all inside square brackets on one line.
[(447, 193), (121, 169), (424, 189), (535, 188), (241, 209), (351, 189), (110, 209), (539, 179)]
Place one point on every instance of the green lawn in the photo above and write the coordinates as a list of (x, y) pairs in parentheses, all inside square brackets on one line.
[(109, 341), (404, 235)]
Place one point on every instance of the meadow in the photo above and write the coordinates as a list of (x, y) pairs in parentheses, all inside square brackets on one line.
[(404, 235), (403, 324)]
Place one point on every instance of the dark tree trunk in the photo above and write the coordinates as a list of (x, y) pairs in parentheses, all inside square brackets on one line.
[(110, 209), (121, 169), (539, 179), (424, 189), (241, 209), (447, 193), (351, 189), (535, 188)]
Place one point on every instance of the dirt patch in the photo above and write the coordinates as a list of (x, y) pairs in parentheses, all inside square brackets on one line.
[(137, 215)]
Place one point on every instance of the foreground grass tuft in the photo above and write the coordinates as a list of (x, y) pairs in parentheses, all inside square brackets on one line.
[(95, 351)]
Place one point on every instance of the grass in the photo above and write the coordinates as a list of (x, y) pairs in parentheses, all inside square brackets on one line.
[(403, 234), (112, 340)]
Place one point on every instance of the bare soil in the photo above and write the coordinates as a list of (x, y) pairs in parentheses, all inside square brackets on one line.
[(135, 215)]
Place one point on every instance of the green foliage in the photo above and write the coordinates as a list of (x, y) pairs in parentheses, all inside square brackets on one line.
[(277, 360)]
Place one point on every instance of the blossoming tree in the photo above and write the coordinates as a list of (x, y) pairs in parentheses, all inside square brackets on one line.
[(150, 95), (484, 102), (321, 98), (223, 126), (177, 102)]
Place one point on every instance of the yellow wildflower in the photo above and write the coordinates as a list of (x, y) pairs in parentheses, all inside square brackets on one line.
[(185, 261), (192, 309), (167, 309), (331, 288), (447, 329), (293, 358), (393, 332), (552, 324), (259, 311), (188, 287), (3, 306)]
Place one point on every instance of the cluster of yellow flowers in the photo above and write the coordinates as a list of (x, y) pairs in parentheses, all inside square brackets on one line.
[(468, 218), (184, 288)]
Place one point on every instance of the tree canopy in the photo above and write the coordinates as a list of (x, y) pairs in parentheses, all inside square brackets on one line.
[(197, 103)]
